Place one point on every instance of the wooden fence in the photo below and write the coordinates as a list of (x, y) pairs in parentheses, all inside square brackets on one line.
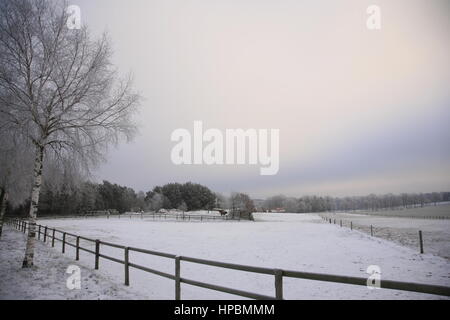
[(154, 216), (372, 229), (50, 234)]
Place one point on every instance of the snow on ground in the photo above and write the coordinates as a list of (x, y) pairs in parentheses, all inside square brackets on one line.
[(47, 280), (441, 209), (404, 231), (286, 241)]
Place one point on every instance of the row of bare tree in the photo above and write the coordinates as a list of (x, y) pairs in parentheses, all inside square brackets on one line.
[(370, 202), (61, 101)]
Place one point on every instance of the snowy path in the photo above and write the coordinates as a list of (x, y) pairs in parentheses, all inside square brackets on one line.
[(47, 280), (286, 241)]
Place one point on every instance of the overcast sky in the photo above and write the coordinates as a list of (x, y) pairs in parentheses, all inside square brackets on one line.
[(359, 111)]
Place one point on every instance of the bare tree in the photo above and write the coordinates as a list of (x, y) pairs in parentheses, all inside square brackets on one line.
[(63, 92), (221, 201), (241, 202), (182, 207), (157, 202)]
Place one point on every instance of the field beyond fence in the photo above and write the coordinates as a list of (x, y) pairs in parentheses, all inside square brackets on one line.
[(426, 235)]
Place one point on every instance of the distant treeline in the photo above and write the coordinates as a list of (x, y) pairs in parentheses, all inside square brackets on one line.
[(87, 196), (370, 202), (72, 199)]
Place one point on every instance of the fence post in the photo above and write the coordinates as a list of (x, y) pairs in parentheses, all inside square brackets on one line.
[(421, 241), (97, 252), (351, 225), (64, 243), (341, 223), (177, 278), (278, 284), (53, 237), (371, 230), (45, 234), (39, 232), (77, 249), (127, 269)]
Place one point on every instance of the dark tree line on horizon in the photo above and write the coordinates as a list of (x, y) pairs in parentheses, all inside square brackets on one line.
[(80, 199), (69, 197)]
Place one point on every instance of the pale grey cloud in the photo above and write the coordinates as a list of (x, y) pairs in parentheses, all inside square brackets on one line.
[(351, 104)]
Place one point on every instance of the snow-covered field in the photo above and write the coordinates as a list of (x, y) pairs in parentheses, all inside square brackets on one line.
[(441, 209), (286, 241), (404, 231)]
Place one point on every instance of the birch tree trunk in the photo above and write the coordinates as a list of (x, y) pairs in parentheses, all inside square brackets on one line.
[(3, 201), (29, 251)]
